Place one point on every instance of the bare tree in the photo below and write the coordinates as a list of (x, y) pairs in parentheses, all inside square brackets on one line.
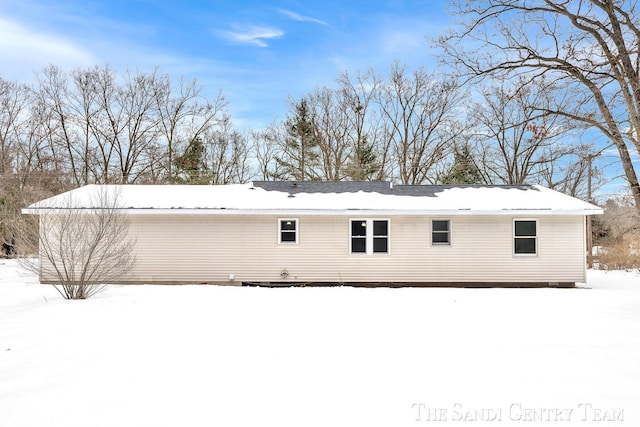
[(133, 123), (14, 124), (589, 48), (52, 93), (184, 117), (29, 170), (572, 175), (264, 147), (104, 127), (82, 247), (331, 125), (619, 220), (519, 144), (369, 127), (226, 156), (420, 120), (14, 100), (84, 110), (369, 154), (216, 157), (334, 132)]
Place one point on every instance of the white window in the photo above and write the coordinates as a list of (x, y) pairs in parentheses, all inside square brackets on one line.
[(440, 232), (525, 237), (288, 230), (369, 236)]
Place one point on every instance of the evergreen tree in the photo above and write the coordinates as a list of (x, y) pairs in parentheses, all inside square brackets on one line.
[(366, 161), (464, 169), (190, 166), (300, 145)]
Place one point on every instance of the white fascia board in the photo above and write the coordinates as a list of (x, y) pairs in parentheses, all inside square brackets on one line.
[(377, 212), (336, 212), (43, 211)]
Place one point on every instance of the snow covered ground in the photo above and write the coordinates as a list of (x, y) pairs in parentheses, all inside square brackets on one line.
[(222, 356)]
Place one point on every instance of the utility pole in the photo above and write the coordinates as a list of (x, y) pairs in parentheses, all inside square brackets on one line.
[(589, 232)]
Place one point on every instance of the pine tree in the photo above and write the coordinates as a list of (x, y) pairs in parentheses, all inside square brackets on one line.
[(300, 145), (464, 169), (366, 161), (190, 166)]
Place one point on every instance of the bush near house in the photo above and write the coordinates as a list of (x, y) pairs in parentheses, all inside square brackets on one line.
[(617, 233)]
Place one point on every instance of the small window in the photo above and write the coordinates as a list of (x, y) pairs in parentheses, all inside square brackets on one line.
[(525, 237), (288, 231), (440, 232), (369, 236)]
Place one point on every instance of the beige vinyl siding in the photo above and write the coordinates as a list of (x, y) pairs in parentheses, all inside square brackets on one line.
[(203, 248)]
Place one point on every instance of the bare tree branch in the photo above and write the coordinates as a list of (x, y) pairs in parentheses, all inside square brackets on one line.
[(588, 47), (82, 247)]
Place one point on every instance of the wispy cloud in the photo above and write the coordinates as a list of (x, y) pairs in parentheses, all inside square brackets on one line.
[(251, 35), (297, 17), (31, 49)]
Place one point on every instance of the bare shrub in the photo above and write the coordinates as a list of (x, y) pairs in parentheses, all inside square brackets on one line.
[(623, 255), (83, 245), (617, 233)]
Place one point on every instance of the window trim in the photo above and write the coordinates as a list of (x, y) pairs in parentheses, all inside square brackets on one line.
[(369, 237), (296, 231), (380, 236), (448, 243), (366, 233), (536, 237)]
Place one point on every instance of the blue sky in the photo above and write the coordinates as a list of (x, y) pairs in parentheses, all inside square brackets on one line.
[(257, 53)]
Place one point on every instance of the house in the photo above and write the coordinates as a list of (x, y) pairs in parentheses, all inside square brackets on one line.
[(358, 233)]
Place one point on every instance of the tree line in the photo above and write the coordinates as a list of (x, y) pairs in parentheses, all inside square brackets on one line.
[(95, 125), (415, 127)]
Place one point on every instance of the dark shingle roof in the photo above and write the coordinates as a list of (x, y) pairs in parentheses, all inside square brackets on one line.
[(325, 186), (382, 187), (431, 190)]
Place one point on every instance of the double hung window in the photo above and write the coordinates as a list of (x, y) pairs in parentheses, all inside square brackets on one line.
[(525, 237), (440, 232), (369, 236), (288, 230)]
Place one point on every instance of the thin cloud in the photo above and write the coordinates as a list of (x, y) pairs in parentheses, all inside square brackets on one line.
[(297, 17), (22, 45), (251, 35)]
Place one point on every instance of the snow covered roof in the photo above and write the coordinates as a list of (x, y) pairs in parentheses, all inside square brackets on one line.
[(331, 198)]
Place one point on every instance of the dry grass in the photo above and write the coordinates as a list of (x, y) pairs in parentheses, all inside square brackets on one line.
[(624, 254)]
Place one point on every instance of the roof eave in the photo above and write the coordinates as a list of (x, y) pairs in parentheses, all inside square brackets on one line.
[(335, 212)]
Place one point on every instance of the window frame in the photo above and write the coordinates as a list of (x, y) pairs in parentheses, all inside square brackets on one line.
[(535, 237), (369, 237), (296, 231), (351, 236), (448, 232), (375, 236)]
